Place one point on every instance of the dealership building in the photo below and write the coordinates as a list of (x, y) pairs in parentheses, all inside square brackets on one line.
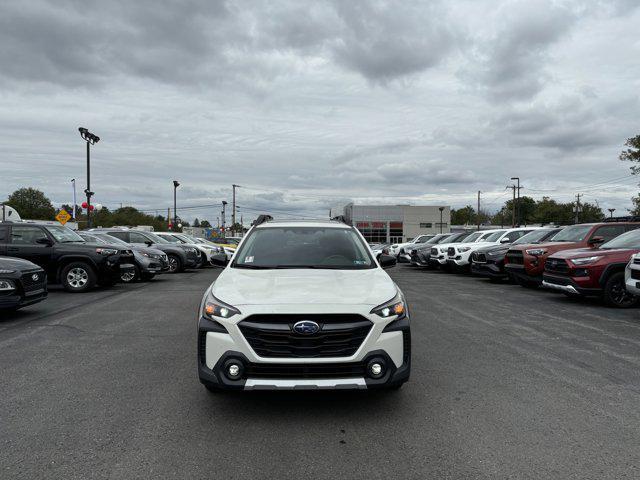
[(395, 223)]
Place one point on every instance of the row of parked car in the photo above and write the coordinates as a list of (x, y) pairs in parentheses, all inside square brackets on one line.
[(35, 254), (585, 260)]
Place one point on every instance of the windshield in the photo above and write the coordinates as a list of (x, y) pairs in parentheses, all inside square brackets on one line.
[(471, 238), (154, 238), (626, 240), (533, 237), (304, 247), (185, 238), (423, 238), (108, 239), (494, 236), (575, 233), (63, 234)]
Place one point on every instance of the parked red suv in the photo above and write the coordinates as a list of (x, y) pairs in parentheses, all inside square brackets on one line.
[(525, 263), (595, 272)]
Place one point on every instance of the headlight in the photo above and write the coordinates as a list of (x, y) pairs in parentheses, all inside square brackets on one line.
[(585, 260), (190, 249), (106, 251), (152, 255), (464, 249), (395, 306), (215, 308), (497, 253), (7, 286), (2, 270), (536, 252)]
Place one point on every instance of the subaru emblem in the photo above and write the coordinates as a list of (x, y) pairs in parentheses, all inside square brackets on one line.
[(35, 277), (306, 327)]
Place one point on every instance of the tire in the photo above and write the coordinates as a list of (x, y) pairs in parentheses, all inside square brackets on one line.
[(175, 264), (78, 277), (615, 292), (527, 283), (131, 277)]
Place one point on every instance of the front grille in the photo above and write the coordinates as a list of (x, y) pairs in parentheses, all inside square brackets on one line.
[(29, 284), (451, 251), (271, 335), (306, 370), (515, 256), (556, 266), (636, 261), (635, 274)]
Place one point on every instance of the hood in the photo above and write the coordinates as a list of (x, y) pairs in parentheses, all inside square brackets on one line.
[(495, 248), (10, 263), (238, 286), (551, 246), (590, 252)]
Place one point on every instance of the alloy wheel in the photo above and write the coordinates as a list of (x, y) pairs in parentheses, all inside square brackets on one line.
[(77, 277), (173, 264), (620, 295)]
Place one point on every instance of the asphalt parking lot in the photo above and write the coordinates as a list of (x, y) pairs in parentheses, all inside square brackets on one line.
[(506, 382)]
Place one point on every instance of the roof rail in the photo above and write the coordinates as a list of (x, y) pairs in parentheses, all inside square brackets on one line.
[(628, 218), (340, 218), (261, 219)]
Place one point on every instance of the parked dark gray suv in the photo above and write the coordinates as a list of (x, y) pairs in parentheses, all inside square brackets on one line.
[(179, 257)]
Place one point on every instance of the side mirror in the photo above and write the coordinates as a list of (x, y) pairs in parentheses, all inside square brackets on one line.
[(387, 261), (595, 241), (219, 260), (149, 243), (505, 240), (44, 241)]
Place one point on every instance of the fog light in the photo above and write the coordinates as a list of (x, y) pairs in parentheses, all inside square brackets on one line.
[(376, 368), (233, 370)]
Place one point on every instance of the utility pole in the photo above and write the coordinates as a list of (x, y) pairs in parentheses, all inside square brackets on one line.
[(441, 209), (75, 201), (578, 207), (233, 211), (516, 206), (478, 211), (169, 218)]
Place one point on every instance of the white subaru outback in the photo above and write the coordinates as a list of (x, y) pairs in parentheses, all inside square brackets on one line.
[(304, 305)]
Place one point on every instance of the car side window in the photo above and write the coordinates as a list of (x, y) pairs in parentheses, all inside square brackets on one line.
[(121, 235), (138, 238), (513, 236), (608, 232), (627, 228), (27, 235), (4, 234)]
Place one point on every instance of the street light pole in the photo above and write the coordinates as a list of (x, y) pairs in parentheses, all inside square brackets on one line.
[(611, 210), (224, 210), (176, 184), (441, 209), (91, 139)]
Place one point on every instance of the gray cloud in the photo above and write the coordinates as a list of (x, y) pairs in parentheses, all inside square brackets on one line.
[(308, 104)]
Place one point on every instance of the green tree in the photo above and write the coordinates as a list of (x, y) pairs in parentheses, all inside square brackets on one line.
[(549, 211), (632, 154), (31, 204), (589, 213), (525, 214), (463, 216), (205, 224), (196, 222)]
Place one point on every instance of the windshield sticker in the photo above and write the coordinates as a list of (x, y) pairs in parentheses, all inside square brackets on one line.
[(248, 259), (359, 262)]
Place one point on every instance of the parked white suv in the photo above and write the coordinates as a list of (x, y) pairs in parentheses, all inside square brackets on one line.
[(304, 305), (402, 251), (460, 255), (632, 275)]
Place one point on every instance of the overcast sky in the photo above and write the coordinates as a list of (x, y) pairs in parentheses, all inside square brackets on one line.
[(310, 104)]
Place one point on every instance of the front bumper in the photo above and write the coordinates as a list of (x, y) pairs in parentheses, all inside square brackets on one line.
[(519, 272), (387, 342), (632, 284), (568, 285), (490, 270)]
